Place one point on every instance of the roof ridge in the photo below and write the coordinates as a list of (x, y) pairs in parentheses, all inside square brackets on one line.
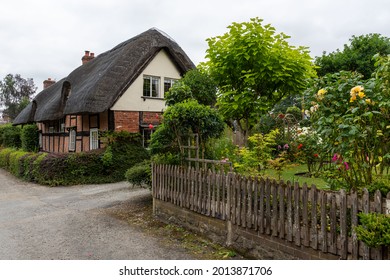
[(163, 33)]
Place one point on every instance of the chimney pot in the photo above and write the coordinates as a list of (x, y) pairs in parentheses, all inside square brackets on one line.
[(87, 57), (47, 83)]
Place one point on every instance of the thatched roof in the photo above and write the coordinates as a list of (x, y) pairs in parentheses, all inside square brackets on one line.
[(96, 85)]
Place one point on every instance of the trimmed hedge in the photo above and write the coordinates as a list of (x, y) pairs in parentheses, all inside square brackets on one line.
[(30, 138), (10, 136), (97, 166)]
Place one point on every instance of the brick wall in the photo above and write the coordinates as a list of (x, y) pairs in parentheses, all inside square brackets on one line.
[(128, 121), (151, 117)]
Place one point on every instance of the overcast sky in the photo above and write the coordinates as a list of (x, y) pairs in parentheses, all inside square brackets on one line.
[(42, 39)]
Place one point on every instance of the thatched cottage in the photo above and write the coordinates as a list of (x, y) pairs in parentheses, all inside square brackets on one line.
[(121, 89)]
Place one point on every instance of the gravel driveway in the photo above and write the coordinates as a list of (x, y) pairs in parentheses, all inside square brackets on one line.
[(38, 222)]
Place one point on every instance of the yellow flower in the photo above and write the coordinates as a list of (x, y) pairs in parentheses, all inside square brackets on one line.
[(321, 93), (356, 90), (361, 94), (368, 101), (352, 99)]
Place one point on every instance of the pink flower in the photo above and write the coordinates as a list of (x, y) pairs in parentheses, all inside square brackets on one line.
[(285, 146), (346, 165), (335, 157)]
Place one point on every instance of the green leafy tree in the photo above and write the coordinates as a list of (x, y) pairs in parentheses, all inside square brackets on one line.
[(183, 119), (15, 94), (254, 68), (194, 85), (357, 56)]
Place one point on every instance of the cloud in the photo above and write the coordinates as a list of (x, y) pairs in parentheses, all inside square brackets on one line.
[(42, 39)]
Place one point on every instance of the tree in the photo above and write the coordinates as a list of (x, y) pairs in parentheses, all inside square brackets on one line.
[(255, 68), (194, 85), (15, 94), (357, 56), (183, 119)]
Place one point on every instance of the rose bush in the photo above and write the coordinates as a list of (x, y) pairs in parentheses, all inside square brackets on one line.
[(353, 119)]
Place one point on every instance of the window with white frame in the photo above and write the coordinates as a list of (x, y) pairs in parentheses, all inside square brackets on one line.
[(94, 139), (72, 140), (168, 83), (151, 86)]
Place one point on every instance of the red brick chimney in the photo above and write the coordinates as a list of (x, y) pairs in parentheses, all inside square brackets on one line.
[(87, 57), (47, 83)]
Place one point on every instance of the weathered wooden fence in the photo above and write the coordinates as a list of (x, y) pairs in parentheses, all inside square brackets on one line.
[(304, 215)]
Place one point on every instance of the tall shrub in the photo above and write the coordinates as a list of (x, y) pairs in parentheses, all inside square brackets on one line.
[(30, 138), (10, 136), (124, 150), (353, 116)]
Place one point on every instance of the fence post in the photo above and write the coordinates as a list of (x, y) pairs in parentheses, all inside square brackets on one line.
[(282, 206), (274, 217), (343, 225), (297, 215), (354, 223), (229, 237), (366, 209), (289, 212), (314, 220), (324, 222), (154, 188), (305, 214), (377, 253)]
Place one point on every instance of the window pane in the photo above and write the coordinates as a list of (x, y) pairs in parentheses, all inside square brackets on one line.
[(168, 83), (155, 87), (94, 139), (72, 140), (146, 86)]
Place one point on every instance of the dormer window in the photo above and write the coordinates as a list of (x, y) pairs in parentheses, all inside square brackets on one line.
[(66, 89), (151, 86)]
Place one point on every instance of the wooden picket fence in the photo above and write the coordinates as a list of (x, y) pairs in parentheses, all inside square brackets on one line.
[(304, 215)]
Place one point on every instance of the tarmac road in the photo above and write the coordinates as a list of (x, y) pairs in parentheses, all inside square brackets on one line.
[(38, 222)]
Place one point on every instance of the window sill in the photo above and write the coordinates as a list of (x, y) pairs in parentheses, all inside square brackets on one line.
[(148, 97)]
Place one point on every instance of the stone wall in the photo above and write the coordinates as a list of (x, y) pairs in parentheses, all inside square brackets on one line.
[(247, 242)]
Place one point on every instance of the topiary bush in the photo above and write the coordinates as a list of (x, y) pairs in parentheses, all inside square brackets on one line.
[(140, 174)]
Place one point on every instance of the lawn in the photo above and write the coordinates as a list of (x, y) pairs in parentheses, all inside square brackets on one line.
[(289, 175)]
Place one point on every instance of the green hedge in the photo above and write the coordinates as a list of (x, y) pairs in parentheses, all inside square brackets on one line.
[(10, 136), (98, 166), (30, 138)]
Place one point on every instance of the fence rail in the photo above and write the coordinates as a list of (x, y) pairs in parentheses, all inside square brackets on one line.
[(304, 215)]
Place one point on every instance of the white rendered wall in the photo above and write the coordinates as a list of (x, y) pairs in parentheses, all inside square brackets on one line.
[(132, 100)]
